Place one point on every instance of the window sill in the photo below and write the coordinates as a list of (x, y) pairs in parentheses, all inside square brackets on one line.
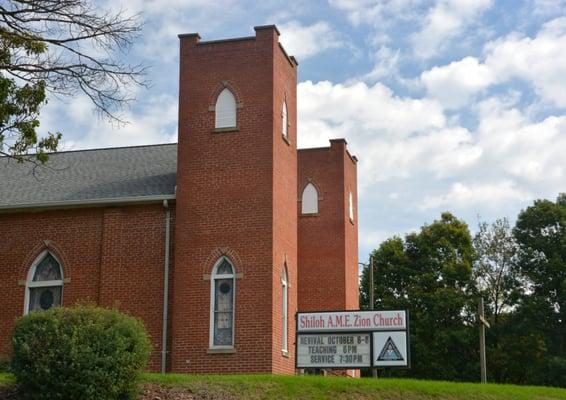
[(227, 129), (310, 215), (286, 140), (221, 351)]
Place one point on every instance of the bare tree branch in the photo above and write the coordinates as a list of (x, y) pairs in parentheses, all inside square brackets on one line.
[(68, 47)]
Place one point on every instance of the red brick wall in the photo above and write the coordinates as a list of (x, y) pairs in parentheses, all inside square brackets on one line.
[(236, 196), (351, 233), (112, 257), (227, 187), (284, 207), (328, 241)]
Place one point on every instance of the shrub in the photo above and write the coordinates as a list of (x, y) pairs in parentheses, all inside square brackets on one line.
[(4, 365), (79, 353)]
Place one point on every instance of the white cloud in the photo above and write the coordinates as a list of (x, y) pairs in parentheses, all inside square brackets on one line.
[(523, 149), (549, 7), (409, 148), (396, 137), (386, 64), (154, 121), (454, 84), (357, 109), (371, 238), (446, 20), (489, 195), (163, 23), (304, 41), (377, 12), (540, 61)]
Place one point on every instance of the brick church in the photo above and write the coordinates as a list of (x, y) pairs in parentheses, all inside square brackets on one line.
[(214, 242)]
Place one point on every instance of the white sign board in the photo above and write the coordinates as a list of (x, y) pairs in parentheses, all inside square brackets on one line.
[(390, 349), (326, 350), (334, 321)]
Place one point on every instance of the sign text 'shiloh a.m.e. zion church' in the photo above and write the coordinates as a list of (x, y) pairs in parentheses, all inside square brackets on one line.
[(353, 339), (215, 241)]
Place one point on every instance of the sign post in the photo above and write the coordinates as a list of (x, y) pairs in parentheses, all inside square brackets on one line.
[(371, 299), (352, 339)]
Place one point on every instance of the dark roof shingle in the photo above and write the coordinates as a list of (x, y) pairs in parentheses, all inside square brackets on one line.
[(113, 173)]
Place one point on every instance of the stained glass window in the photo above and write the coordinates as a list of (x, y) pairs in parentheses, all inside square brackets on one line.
[(47, 270), (223, 305), (285, 308), (45, 284)]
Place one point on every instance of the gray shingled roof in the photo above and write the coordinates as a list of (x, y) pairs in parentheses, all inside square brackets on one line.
[(74, 176)]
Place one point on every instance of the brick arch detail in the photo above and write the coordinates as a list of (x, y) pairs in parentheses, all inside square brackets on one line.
[(227, 252), (219, 88), (54, 249), (316, 186)]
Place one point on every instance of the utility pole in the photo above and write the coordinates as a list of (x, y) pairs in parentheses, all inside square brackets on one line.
[(483, 324), (371, 299), (371, 284)]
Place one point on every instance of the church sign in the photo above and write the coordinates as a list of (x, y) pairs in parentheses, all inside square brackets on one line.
[(352, 339)]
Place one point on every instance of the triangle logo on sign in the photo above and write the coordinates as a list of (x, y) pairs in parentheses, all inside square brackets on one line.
[(390, 352)]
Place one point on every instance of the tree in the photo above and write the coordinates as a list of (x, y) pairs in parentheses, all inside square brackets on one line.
[(60, 47), (499, 283), (429, 273), (494, 268), (540, 232)]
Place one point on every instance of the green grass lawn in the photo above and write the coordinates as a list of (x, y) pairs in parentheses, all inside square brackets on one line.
[(5, 379), (306, 387)]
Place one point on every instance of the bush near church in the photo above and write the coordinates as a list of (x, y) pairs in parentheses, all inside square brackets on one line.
[(82, 353)]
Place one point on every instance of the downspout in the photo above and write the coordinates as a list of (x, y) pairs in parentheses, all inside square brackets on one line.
[(165, 287)]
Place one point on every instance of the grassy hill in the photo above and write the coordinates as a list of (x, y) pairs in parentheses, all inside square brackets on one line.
[(173, 386)]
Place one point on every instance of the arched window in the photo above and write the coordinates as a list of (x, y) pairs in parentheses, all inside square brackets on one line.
[(44, 286), (225, 110), (222, 304), (351, 207), (284, 121), (309, 200), (285, 309)]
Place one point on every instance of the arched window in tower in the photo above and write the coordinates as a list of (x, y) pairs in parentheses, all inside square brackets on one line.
[(44, 286), (284, 309), (309, 200), (284, 121), (351, 207), (222, 305), (225, 110)]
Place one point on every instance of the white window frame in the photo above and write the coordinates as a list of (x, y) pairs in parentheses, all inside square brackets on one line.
[(220, 124), (285, 311), (285, 121), (213, 277), (309, 212), (31, 273)]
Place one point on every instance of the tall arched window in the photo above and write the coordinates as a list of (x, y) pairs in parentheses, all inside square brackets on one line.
[(222, 304), (285, 309), (284, 121), (44, 287), (225, 110), (309, 200), (351, 207)]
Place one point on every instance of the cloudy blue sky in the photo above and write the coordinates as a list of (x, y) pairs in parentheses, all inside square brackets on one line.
[(455, 105)]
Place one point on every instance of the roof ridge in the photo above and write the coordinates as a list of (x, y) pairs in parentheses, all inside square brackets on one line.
[(110, 148)]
